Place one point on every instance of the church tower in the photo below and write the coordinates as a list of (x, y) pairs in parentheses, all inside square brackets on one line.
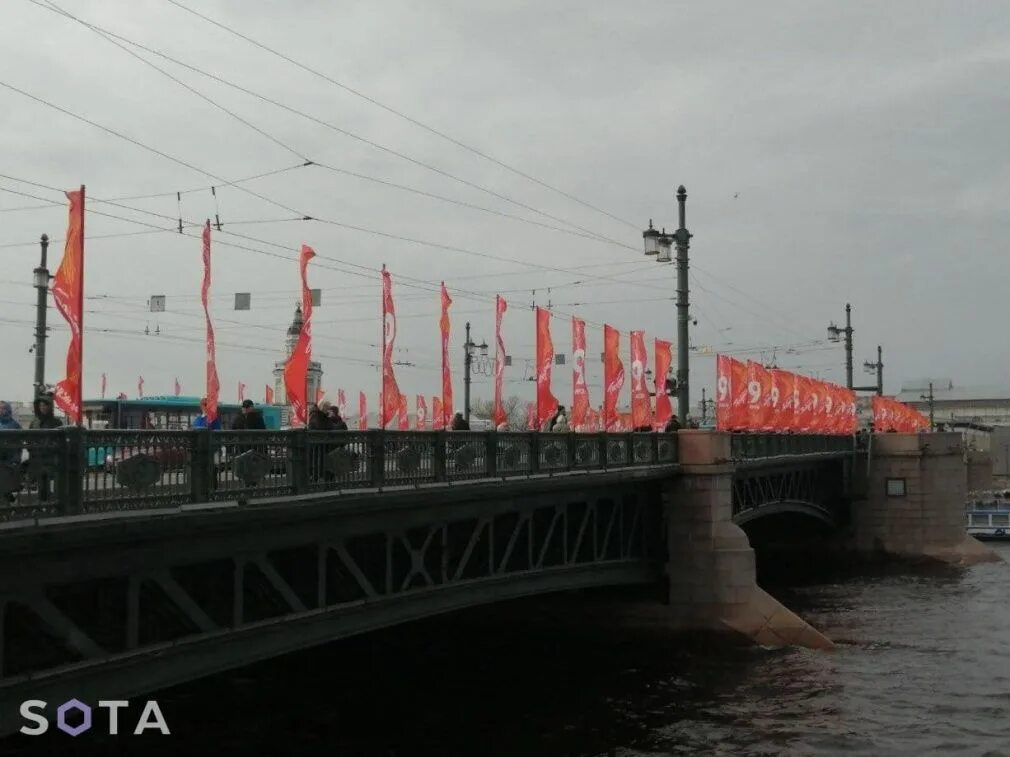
[(315, 377)]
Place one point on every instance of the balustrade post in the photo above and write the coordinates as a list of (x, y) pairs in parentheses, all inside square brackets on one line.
[(298, 454), (377, 457), (491, 454), (201, 465), (70, 472)]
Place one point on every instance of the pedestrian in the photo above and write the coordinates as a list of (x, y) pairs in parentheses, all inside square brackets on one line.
[(44, 419), (560, 413), (319, 418), (201, 420), (560, 425), (459, 423), (10, 457), (339, 424), (672, 426), (251, 419)]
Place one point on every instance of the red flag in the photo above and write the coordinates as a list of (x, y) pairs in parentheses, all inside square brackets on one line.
[(759, 387), (531, 416), (772, 399), (319, 395), (68, 293), (664, 359), (390, 390), (296, 371), (342, 403), (547, 403), (241, 392), (178, 388), (362, 412), (788, 394), (580, 389), (437, 415), (404, 414), (807, 409), (641, 409), (728, 375), (613, 376), (103, 386), (500, 416), (848, 422), (140, 386), (443, 325), (422, 413), (213, 384), (268, 395)]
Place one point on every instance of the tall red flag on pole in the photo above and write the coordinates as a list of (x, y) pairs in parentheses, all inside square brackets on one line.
[(296, 371), (362, 412), (241, 392), (68, 293), (342, 403), (444, 325), (641, 409), (390, 390), (103, 386), (140, 386), (580, 390), (178, 388), (613, 376), (404, 424), (547, 403), (500, 416), (437, 415), (664, 359), (268, 395), (213, 385), (531, 416)]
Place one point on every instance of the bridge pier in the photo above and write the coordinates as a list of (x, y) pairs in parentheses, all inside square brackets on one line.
[(916, 487), (710, 568)]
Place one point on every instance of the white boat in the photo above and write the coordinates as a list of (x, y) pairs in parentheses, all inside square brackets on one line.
[(987, 515)]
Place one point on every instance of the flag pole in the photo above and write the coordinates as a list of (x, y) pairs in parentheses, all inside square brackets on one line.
[(80, 295)]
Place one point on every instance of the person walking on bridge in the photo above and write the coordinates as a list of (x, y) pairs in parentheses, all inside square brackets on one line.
[(10, 457), (44, 419)]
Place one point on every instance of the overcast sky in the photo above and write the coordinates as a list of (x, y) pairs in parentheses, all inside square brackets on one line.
[(832, 152)]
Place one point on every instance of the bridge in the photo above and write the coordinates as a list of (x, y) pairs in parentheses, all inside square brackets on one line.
[(139, 560)]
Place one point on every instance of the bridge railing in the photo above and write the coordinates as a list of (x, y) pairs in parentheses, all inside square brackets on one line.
[(758, 446), (72, 470)]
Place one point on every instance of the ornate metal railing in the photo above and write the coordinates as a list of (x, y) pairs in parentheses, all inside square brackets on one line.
[(757, 446), (72, 470)]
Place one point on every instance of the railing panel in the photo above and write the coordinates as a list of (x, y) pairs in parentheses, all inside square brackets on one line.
[(251, 464), (466, 455), (30, 473), (409, 457), (747, 446), (133, 470), (337, 460), (554, 450), (514, 454)]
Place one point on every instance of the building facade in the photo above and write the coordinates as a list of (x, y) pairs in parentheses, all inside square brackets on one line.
[(982, 405)]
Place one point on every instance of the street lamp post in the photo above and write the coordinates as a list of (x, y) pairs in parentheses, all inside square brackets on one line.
[(42, 277), (468, 348), (835, 334), (878, 369), (659, 244)]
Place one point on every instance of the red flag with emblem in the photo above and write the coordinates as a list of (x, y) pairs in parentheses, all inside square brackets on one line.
[(580, 389), (422, 413), (547, 403), (444, 327), (437, 414), (500, 416), (213, 383), (664, 359), (390, 390), (641, 409), (613, 376)]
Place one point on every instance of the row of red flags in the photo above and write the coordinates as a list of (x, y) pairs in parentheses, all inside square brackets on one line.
[(751, 397)]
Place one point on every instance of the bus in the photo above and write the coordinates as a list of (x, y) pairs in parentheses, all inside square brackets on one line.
[(156, 413)]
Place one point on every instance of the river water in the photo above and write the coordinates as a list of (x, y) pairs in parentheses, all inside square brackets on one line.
[(920, 668)]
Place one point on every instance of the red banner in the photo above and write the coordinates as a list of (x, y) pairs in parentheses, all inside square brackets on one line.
[(296, 372), (103, 386), (443, 325), (758, 388), (422, 413), (580, 389), (437, 414), (500, 416), (68, 294), (547, 403), (268, 394), (390, 389), (404, 423), (342, 403), (362, 412), (241, 392), (664, 359), (788, 405), (178, 388), (213, 385), (641, 408), (891, 415), (140, 386), (772, 400), (531, 416), (613, 376)]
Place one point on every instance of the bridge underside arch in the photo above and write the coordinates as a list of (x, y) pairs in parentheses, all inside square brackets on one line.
[(817, 491), (820, 513)]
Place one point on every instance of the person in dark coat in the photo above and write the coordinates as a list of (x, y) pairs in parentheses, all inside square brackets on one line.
[(10, 456), (459, 423), (44, 419), (319, 420), (672, 426), (251, 419), (339, 424)]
